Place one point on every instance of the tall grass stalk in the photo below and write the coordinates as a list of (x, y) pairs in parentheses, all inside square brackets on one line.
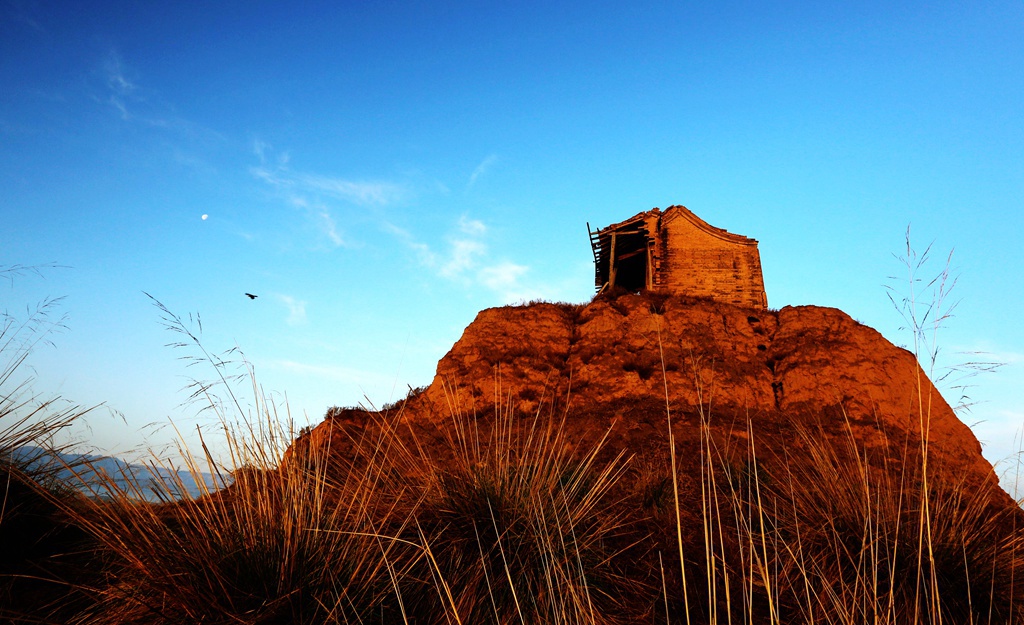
[(27, 417), (33, 427), (283, 542)]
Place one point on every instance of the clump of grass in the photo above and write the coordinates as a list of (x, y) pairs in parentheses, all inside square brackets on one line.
[(838, 530), (283, 543), (498, 527), (520, 526), (820, 528), (285, 540)]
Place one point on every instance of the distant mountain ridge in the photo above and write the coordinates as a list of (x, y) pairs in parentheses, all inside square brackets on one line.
[(85, 473)]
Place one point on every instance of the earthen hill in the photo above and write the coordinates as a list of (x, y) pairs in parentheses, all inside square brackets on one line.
[(681, 315), (734, 419)]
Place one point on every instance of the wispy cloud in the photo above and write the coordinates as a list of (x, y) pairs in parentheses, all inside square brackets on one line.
[(296, 310), (116, 84), (461, 258), (361, 192), (503, 276), (259, 148), (425, 255), (481, 169), (321, 219), (472, 227), (328, 227), (304, 184), (465, 249), (319, 196), (465, 258), (120, 88)]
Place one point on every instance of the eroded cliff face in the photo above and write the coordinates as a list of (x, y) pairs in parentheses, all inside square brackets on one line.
[(630, 358), (805, 364)]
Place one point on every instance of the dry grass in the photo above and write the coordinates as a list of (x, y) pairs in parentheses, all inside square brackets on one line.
[(509, 518), (26, 416), (506, 525), (503, 528), (825, 532), (33, 539), (519, 523), (284, 543)]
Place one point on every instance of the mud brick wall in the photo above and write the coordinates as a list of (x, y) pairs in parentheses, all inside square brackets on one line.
[(697, 259)]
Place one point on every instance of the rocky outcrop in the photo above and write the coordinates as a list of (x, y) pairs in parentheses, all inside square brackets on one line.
[(796, 365), (629, 357)]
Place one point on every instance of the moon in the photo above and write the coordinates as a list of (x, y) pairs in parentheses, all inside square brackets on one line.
[(205, 216)]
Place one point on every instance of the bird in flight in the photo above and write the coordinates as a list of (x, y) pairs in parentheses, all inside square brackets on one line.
[(251, 296)]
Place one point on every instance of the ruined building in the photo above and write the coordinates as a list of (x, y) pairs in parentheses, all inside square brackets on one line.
[(676, 251)]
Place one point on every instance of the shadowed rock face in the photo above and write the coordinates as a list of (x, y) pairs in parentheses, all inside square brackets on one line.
[(619, 358)]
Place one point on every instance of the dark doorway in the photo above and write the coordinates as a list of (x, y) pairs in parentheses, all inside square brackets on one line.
[(629, 261)]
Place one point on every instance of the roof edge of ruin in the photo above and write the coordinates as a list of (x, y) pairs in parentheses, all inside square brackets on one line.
[(678, 210), (673, 211)]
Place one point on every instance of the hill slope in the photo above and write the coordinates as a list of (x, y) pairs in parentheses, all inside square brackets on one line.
[(800, 367)]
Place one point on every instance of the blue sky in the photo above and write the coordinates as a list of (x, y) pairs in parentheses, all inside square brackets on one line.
[(377, 174)]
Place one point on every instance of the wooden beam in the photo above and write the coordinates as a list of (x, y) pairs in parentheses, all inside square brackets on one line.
[(650, 269), (630, 254), (592, 247), (611, 264)]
